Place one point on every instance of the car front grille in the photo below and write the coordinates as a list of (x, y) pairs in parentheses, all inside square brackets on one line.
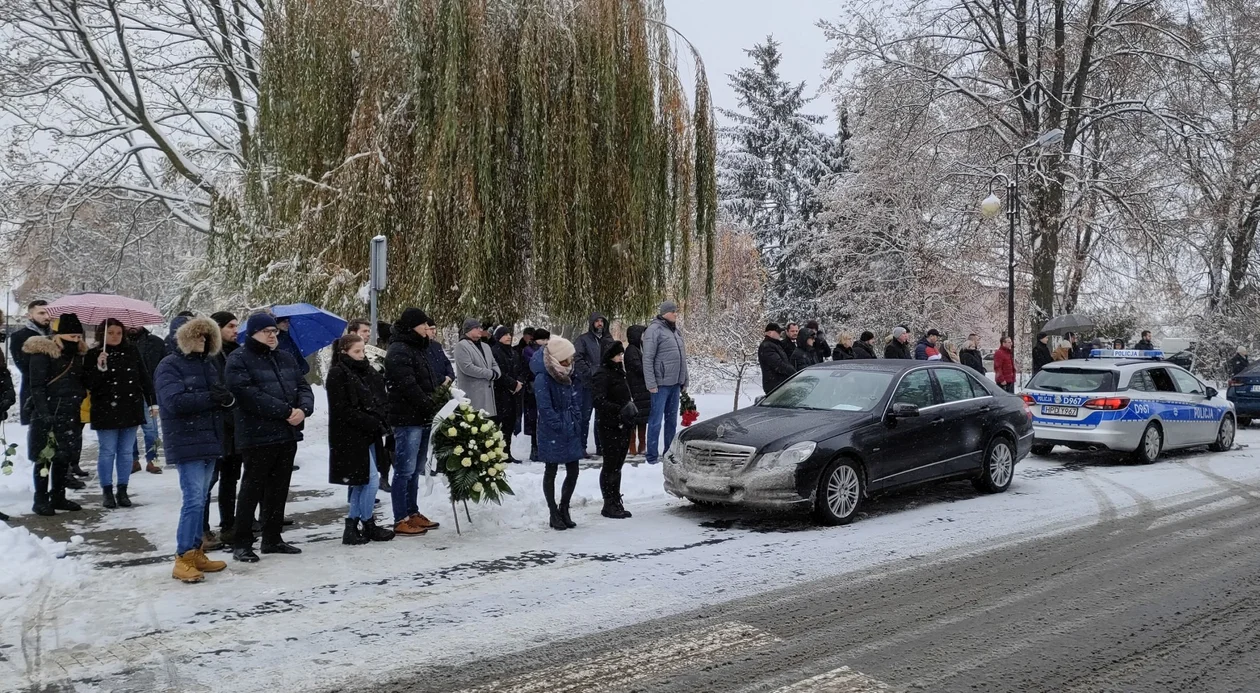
[(709, 456)]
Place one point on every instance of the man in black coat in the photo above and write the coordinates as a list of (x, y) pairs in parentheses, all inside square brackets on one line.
[(411, 381), (590, 348), (864, 348), (38, 324), (774, 362), (273, 400), (230, 466), (899, 347), (1239, 362), (1041, 352), (789, 338), (152, 349), (508, 386)]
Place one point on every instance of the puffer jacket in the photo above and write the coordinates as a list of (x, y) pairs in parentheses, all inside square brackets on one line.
[(56, 377), (560, 435), (410, 380), (589, 350), (634, 373), (193, 424), (268, 386), (229, 420), (664, 355), (611, 393), (121, 391)]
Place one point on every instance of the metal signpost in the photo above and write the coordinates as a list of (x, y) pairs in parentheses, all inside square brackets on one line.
[(376, 279)]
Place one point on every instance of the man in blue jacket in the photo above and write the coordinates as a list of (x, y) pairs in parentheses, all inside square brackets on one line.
[(273, 399), (193, 403)]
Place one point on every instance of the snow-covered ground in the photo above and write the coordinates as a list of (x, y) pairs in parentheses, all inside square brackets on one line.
[(108, 616)]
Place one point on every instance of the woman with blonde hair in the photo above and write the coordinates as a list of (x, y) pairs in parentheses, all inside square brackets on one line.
[(844, 347)]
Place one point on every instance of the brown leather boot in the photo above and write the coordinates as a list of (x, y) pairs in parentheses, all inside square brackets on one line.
[(186, 568), (204, 564)]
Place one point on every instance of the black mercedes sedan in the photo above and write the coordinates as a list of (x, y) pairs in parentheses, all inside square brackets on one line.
[(839, 432)]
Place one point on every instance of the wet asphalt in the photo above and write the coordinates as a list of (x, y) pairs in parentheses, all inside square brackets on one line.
[(1165, 601)]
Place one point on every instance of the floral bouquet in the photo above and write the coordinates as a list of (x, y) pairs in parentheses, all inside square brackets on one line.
[(442, 395), (471, 450), (10, 449), (689, 412)]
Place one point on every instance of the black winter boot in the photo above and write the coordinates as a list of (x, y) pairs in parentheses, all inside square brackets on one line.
[(564, 517), (557, 520), (71, 481), (43, 505), (621, 508), (374, 533), (123, 500), (77, 470), (60, 502), (107, 497), (351, 535)]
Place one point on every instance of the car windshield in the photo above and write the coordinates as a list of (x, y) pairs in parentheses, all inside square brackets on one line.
[(840, 389), (1074, 380)]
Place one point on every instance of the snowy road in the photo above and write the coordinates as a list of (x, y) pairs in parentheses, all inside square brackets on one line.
[(1078, 572)]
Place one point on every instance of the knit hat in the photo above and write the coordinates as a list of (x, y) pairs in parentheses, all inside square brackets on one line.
[(560, 349), (773, 327), (933, 332), (411, 319), (612, 350), (541, 334), (898, 331), (668, 307), (258, 322), (503, 330), (867, 336), (222, 318), (69, 323), (470, 324)]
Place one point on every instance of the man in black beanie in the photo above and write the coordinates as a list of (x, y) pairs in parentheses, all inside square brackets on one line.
[(411, 382), (229, 471)]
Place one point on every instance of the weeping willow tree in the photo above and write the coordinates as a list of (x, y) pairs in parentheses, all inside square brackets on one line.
[(522, 157)]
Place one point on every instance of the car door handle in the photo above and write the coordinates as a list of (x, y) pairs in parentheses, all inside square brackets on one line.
[(986, 408)]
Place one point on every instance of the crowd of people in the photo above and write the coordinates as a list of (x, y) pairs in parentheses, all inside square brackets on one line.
[(232, 413)]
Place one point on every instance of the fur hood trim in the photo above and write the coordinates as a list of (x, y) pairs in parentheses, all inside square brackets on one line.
[(49, 346), (195, 332)]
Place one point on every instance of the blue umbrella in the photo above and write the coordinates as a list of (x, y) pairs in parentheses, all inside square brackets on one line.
[(311, 328)]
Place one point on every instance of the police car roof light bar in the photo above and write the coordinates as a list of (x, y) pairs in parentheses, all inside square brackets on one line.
[(1149, 354)]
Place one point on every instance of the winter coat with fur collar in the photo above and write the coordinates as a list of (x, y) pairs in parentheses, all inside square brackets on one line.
[(193, 423)]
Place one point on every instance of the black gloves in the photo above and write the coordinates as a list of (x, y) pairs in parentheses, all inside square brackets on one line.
[(220, 396)]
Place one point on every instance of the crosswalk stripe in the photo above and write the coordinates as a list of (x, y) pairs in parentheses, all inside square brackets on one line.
[(842, 680), (642, 661)]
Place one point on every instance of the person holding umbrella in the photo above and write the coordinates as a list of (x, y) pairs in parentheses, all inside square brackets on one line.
[(56, 394), (119, 384)]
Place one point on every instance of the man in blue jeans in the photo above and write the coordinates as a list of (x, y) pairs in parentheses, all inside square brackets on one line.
[(665, 375), (411, 382)]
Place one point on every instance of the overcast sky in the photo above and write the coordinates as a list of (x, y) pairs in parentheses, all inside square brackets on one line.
[(724, 29)]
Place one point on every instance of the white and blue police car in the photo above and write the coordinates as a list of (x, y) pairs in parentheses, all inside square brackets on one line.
[(1126, 400)]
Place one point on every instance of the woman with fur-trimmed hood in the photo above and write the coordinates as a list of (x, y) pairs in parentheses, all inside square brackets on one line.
[(193, 403), (56, 394)]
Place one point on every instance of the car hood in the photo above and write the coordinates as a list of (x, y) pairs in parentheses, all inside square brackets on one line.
[(771, 428)]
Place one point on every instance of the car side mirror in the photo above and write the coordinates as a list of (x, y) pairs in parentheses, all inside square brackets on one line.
[(757, 400), (1212, 393), (904, 410)]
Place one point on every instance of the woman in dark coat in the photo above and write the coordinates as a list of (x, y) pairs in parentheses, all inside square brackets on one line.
[(615, 413), (805, 355), (561, 440), (357, 413), (55, 369), (120, 386), (508, 386), (844, 348), (638, 389)]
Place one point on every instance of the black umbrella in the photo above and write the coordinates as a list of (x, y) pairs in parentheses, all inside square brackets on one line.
[(1062, 324)]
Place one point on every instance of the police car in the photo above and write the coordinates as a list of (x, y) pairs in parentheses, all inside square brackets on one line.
[(1126, 401)]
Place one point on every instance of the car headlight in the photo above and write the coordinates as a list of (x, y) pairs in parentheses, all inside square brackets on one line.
[(790, 456)]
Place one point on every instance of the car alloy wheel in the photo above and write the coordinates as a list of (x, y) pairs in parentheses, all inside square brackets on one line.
[(998, 468), (1225, 437), (1152, 444), (839, 493)]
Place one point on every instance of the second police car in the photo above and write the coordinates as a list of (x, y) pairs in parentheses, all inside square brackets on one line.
[(1126, 401)]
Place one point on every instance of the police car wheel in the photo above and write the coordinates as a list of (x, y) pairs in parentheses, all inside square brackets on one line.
[(998, 469), (1224, 435), (1150, 445)]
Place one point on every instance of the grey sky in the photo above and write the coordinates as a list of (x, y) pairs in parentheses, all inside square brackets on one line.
[(724, 29)]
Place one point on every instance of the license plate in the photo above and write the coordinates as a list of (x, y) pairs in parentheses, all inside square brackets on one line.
[(1059, 411)]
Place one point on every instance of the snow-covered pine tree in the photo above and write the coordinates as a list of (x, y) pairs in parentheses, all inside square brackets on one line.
[(772, 161)]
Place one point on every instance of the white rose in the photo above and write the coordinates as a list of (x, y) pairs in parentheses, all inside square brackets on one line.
[(498, 435), (467, 462), (452, 432), (485, 427), (493, 471), (477, 487), (459, 449), (484, 457)]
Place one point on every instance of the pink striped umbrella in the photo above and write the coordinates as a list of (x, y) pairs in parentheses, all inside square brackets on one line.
[(94, 309)]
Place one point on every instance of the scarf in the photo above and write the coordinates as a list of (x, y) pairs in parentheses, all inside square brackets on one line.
[(561, 374)]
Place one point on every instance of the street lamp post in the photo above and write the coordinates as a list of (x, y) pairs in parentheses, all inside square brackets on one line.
[(992, 205)]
